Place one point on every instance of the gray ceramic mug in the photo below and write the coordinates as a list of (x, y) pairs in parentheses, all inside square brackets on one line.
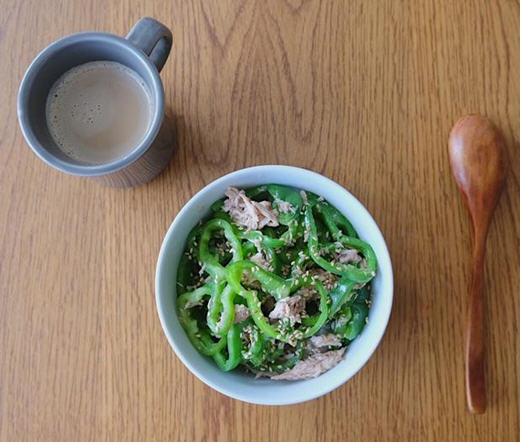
[(144, 50)]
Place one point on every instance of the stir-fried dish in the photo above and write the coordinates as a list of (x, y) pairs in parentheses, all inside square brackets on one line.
[(276, 281)]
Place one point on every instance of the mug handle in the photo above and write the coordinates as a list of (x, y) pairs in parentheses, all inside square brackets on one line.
[(153, 38)]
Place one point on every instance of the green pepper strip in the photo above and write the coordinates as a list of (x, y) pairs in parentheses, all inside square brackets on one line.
[(291, 196), (352, 272), (234, 275), (321, 317), (186, 261), (352, 316), (248, 249), (254, 192), (257, 357), (183, 272), (255, 236), (301, 259), (334, 218), (359, 313), (339, 325), (363, 294), (358, 321), (291, 362), (217, 206), (223, 215), (273, 351), (273, 284), (341, 293), (221, 310), (288, 256), (234, 347), (294, 230), (209, 261), (273, 259), (253, 353), (200, 339)]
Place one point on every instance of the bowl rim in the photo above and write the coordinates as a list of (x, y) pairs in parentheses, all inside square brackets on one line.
[(383, 321)]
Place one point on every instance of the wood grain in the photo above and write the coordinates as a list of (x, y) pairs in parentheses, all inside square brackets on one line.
[(363, 92)]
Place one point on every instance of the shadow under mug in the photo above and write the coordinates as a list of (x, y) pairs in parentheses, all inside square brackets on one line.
[(145, 51)]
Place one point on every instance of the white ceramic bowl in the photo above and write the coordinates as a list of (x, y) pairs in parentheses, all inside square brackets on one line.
[(240, 385)]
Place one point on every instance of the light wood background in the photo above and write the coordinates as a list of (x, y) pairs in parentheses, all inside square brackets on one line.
[(364, 92)]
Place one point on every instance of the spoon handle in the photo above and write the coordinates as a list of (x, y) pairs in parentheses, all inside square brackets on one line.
[(475, 357)]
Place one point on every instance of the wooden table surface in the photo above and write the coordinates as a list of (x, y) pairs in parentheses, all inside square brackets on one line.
[(364, 92)]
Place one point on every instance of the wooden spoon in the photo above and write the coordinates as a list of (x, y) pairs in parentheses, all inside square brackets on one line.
[(478, 162)]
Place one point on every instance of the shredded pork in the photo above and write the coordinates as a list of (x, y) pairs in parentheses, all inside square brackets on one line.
[(328, 340), (260, 261), (347, 256), (245, 212), (241, 313), (289, 308), (285, 206), (312, 367)]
